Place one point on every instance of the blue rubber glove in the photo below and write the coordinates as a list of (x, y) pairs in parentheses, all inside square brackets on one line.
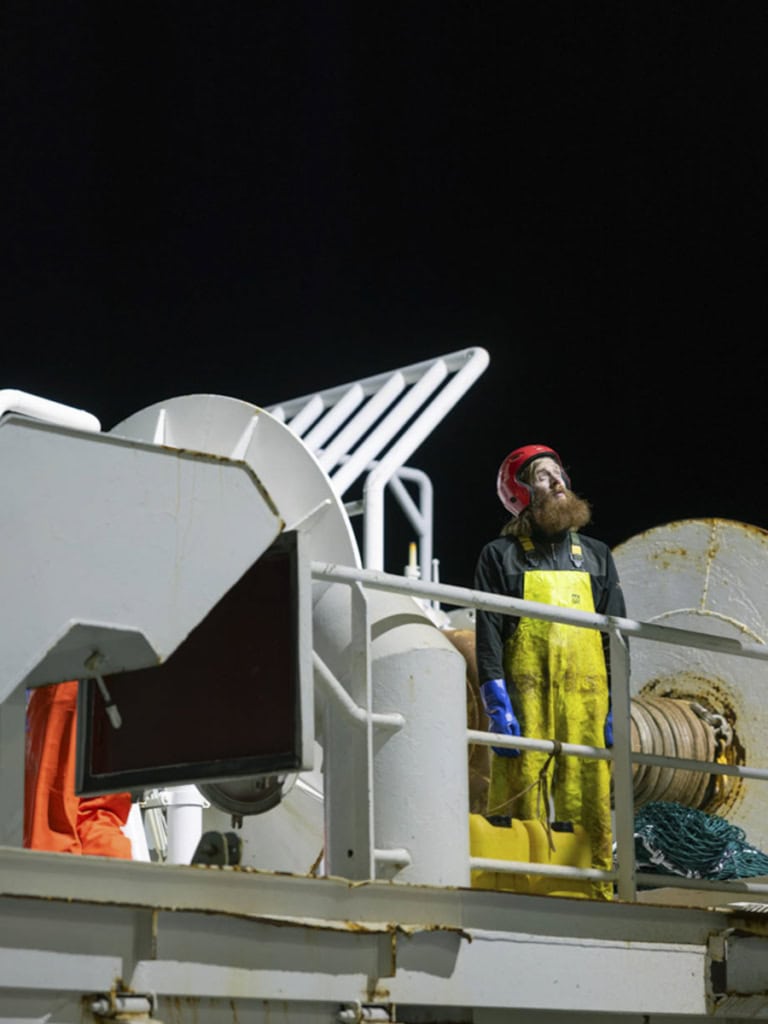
[(608, 729), (498, 708)]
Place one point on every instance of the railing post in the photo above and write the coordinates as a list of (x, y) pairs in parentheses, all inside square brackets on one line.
[(623, 794), (348, 760)]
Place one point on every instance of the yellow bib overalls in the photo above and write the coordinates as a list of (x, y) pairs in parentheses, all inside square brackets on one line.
[(558, 684)]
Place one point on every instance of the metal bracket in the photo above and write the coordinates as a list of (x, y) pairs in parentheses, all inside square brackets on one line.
[(126, 1006), (737, 974)]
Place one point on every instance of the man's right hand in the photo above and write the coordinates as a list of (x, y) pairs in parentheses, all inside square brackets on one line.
[(499, 709)]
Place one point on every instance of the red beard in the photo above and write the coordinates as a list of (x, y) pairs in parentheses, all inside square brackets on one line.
[(553, 515)]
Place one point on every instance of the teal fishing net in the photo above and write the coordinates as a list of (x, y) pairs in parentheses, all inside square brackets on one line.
[(673, 839)]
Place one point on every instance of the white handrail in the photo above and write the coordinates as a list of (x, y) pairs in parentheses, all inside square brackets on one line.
[(623, 757), (467, 598)]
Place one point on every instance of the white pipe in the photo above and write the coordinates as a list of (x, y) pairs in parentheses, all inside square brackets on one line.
[(421, 516), (466, 598), (489, 739), (408, 405), (408, 505), (367, 416), (307, 416), (185, 823), (358, 1014), (336, 690), (528, 867), (112, 1006), (492, 739), (45, 409), (333, 419), (400, 858)]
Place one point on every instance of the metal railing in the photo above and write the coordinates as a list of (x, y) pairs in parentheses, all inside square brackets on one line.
[(368, 429), (623, 757)]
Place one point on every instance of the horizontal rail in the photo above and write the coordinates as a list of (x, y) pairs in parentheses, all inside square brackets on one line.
[(467, 598), (490, 739), (493, 739), (534, 867)]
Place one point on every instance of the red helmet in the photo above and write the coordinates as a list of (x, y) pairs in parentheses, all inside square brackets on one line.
[(513, 493)]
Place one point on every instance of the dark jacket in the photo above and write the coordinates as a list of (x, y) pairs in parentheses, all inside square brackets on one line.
[(500, 570)]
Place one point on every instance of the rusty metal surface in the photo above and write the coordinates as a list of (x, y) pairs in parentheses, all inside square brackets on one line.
[(212, 942)]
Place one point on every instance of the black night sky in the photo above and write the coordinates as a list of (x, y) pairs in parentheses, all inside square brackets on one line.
[(263, 199)]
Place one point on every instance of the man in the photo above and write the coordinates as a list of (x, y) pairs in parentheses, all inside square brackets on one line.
[(544, 679)]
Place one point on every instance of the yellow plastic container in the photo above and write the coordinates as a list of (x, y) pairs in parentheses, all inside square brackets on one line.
[(499, 842), (572, 847), (527, 841)]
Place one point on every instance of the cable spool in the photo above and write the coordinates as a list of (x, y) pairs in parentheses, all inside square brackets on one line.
[(670, 728), (702, 575)]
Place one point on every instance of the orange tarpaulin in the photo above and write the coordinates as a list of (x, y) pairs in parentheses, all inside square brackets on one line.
[(55, 818)]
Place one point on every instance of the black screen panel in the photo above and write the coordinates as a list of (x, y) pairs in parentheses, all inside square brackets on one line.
[(226, 703)]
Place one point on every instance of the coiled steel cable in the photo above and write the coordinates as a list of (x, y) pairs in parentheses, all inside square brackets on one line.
[(670, 727)]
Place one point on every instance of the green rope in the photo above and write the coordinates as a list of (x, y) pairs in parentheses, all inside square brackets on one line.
[(672, 839)]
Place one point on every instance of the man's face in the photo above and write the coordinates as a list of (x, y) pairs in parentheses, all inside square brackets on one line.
[(547, 480), (554, 507)]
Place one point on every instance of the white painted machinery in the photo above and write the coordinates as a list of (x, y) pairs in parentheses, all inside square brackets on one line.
[(349, 898)]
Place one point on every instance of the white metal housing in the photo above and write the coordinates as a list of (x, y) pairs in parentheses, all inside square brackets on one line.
[(390, 931)]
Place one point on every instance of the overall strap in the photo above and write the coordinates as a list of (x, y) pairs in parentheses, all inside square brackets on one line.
[(529, 550), (532, 558)]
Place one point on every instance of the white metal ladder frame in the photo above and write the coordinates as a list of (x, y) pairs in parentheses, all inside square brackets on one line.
[(373, 426)]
